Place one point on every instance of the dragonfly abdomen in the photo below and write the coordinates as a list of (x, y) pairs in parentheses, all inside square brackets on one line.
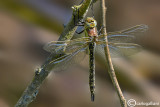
[(92, 69)]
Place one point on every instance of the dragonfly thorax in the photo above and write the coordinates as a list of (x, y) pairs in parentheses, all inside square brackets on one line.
[(90, 26)]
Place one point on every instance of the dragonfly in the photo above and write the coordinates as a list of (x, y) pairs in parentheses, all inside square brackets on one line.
[(119, 42)]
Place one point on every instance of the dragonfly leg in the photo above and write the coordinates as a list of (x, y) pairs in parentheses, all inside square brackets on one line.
[(92, 9), (64, 25), (78, 21), (81, 2), (76, 11), (100, 30)]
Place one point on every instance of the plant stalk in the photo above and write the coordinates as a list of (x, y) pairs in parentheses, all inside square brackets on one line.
[(108, 57)]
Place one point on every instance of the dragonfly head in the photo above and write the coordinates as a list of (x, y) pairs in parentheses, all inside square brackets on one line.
[(90, 22)]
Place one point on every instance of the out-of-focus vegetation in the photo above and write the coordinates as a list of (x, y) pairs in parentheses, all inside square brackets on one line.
[(30, 14), (26, 25)]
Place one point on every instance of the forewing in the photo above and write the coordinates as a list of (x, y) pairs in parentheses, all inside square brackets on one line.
[(66, 46), (131, 31), (55, 46), (127, 35)]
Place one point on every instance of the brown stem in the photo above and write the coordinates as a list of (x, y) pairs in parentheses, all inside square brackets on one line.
[(108, 57)]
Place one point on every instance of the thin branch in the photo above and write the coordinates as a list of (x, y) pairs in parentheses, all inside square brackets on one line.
[(40, 74), (108, 57)]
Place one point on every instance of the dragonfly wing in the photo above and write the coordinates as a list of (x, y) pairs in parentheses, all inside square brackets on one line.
[(55, 46), (66, 46), (121, 38), (114, 52), (125, 49), (74, 46), (122, 49), (127, 35), (131, 31), (69, 59)]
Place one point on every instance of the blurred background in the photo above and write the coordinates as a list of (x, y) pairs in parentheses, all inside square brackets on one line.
[(26, 25)]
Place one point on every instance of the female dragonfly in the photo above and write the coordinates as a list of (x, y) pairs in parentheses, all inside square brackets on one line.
[(119, 43)]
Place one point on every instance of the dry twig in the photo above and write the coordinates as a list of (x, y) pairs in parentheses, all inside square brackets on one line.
[(108, 57)]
